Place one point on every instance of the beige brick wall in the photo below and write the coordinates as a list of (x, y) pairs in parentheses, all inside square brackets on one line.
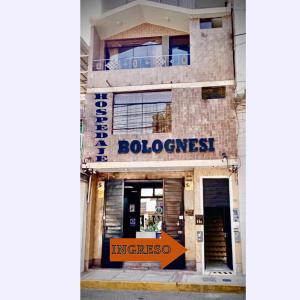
[(211, 59), (146, 30), (191, 117)]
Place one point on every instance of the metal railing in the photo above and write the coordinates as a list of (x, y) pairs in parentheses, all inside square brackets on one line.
[(141, 62)]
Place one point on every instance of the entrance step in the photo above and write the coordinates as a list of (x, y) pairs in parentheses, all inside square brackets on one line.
[(141, 265)]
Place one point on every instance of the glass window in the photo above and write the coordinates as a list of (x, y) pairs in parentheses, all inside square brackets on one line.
[(210, 23), (179, 50), (125, 57), (158, 192), (133, 53), (146, 193), (213, 92), (140, 113)]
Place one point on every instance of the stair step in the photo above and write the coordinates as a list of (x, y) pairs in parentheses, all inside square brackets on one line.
[(214, 234), (214, 255), (216, 260), (213, 226), (215, 248), (214, 239)]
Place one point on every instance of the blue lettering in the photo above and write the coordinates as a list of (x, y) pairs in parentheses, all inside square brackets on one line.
[(101, 119), (169, 146), (101, 127), (203, 146), (101, 135), (181, 144), (101, 104), (157, 146), (101, 96), (135, 146), (123, 147), (192, 145), (101, 158), (101, 143), (101, 112), (211, 144), (101, 150), (145, 149)]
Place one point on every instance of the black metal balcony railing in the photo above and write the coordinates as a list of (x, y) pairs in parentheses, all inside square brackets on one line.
[(141, 62)]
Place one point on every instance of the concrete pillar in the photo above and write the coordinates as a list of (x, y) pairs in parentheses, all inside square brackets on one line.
[(198, 204), (165, 40), (236, 205), (98, 227), (83, 206), (89, 240), (189, 228)]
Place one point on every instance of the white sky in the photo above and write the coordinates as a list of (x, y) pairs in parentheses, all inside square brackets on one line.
[(88, 8)]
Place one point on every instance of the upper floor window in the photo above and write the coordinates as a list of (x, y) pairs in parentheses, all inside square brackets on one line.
[(210, 23), (145, 53), (140, 113), (133, 53), (213, 92), (180, 50)]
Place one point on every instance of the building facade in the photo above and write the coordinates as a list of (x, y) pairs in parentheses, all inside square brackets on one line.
[(160, 141), (84, 178)]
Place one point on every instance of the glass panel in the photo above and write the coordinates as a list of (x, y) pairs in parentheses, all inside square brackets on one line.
[(205, 24), (179, 56), (125, 58), (217, 22), (146, 192), (133, 53), (213, 92), (137, 113), (179, 50), (158, 192)]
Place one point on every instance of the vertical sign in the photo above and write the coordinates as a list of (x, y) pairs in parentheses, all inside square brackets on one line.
[(101, 185), (101, 126), (188, 183)]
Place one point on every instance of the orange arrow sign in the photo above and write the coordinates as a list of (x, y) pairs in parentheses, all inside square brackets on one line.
[(164, 250)]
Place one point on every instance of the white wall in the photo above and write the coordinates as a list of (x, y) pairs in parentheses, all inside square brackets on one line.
[(240, 44), (241, 113), (83, 203), (239, 18)]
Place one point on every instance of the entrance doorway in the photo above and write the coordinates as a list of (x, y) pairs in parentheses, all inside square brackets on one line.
[(142, 209), (217, 225)]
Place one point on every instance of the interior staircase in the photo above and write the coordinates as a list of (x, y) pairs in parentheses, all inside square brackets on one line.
[(215, 238)]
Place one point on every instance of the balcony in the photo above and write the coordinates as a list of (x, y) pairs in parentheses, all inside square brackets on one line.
[(140, 53), (141, 62)]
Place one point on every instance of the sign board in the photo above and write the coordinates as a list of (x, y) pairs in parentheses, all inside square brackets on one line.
[(101, 126), (236, 215), (132, 222), (199, 219), (189, 212), (169, 146), (159, 209), (164, 249), (189, 183), (101, 185)]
